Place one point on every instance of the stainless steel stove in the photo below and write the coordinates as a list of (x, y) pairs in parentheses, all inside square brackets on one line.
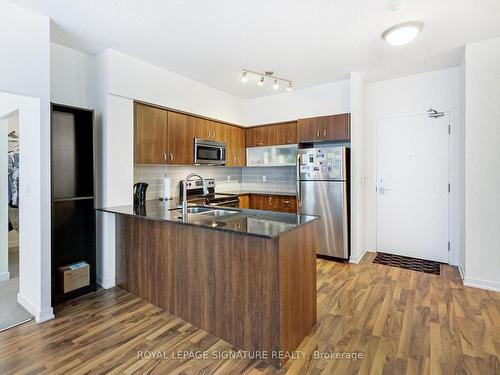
[(195, 192)]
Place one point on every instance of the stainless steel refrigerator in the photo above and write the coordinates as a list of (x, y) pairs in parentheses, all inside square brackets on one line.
[(323, 189)]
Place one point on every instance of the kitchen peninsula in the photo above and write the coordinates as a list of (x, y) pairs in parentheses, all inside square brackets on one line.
[(246, 276)]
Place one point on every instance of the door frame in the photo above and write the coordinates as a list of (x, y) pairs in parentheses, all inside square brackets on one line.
[(451, 152)]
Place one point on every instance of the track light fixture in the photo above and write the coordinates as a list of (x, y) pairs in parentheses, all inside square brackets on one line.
[(261, 77)]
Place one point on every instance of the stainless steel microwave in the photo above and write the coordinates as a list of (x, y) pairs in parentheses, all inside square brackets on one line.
[(209, 152)]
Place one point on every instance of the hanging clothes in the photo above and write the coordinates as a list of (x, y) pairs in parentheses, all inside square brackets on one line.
[(13, 178)]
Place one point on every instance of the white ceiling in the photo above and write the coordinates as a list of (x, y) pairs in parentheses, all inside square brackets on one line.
[(308, 41)]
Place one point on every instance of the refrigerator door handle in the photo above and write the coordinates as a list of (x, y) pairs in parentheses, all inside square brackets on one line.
[(299, 198)]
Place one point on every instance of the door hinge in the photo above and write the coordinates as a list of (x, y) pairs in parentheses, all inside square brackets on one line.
[(449, 128), (449, 246)]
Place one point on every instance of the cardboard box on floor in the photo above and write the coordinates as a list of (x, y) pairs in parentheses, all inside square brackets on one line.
[(74, 276)]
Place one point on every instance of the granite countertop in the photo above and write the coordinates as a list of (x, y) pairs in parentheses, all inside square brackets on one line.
[(266, 224)]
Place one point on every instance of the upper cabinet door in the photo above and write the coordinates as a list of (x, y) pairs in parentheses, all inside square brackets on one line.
[(309, 130), (218, 131), (261, 136), (180, 138), (337, 127), (325, 128), (286, 133), (151, 135), (201, 128), (235, 147)]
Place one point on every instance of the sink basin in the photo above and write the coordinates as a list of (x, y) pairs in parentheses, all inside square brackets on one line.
[(199, 210), (209, 211), (218, 212)]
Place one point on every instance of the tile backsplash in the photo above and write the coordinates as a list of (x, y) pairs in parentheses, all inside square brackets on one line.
[(269, 179), (231, 180)]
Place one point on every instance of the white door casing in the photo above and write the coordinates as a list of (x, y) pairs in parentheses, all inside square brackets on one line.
[(412, 186)]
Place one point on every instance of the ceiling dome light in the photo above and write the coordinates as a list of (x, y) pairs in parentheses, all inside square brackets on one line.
[(402, 33), (244, 77), (260, 82), (276, 85)]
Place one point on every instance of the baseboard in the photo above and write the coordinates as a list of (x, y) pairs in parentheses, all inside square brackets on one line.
[(40, 315), (357, 259), (462, 273), (44, 315), (482, 284), (4, 276), (105, 283)]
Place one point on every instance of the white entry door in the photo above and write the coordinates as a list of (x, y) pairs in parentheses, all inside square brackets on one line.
[(412, 187)]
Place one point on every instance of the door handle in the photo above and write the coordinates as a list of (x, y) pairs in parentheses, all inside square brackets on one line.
[(299, 200)]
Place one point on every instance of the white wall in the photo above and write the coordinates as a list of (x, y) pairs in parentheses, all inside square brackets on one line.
[(482, 164), (24, 42), (321, 100), (135, 79), (357, 101), (73, 77), (414, 95)]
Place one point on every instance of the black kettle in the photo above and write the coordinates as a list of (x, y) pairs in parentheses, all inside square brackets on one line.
[(140, 192)]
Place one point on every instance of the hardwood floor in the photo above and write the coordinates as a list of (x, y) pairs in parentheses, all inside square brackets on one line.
[(404, 322)]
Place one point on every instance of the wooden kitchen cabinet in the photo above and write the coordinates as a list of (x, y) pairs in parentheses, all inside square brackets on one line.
[(244, 201), (325, 128), (151, 134), (286, 133), (235, 147), (180, 138), (272, 135), (261, 136), (271, 202), (207, 129), (337, 128)]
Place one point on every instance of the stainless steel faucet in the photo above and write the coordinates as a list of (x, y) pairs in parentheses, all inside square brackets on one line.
[(184, 193)]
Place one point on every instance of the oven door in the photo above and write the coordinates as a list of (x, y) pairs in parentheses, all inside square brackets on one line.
[(209, 152)]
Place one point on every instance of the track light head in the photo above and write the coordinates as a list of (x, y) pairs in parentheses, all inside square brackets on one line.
[(276, 85), (260, 82), (244, 77), (290, 86)]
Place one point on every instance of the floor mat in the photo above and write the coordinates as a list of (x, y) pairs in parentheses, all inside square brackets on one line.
[(414, 264)]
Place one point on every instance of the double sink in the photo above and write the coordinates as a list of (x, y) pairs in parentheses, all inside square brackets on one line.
[(211, 216)]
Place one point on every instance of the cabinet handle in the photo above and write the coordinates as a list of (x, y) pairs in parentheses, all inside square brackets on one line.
[(171, 156), (325, 132), (164, 156), (208, 133), (259, 143), (286, 202), (318, 133)]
